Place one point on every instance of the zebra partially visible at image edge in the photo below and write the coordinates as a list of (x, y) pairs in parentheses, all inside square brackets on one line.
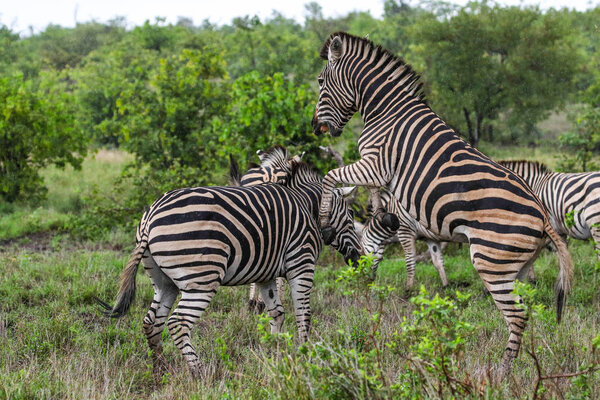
[(576, 195), (444, 183)]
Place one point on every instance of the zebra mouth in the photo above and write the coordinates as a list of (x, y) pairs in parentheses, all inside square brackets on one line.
[(324, 127)]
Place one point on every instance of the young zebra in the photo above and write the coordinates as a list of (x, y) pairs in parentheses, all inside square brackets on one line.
[(563, 193), (441, 181), (194, 240), (375, 233)]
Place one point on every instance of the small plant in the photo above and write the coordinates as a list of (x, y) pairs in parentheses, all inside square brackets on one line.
[(570, 218), (535, 311), (432, 344)]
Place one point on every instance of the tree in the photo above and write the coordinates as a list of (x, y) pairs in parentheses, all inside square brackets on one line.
[(36, 129), (267, 111), (167, 121), (487, 64)]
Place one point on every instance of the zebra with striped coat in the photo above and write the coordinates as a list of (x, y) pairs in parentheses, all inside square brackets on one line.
[(375, 234), (440, 180), (565, 193), (275, 167), (193, 240)]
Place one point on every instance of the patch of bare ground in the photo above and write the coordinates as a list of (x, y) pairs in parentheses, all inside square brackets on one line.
[(53, 240)]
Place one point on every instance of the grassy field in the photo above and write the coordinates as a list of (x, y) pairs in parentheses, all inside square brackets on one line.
[(54, 343)]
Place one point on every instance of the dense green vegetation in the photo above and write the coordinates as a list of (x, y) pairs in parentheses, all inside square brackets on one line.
[(179, 98), (98, 120)]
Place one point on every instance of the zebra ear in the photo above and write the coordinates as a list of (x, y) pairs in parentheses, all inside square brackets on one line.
[(336, 49), (260, 154), (348, 191)]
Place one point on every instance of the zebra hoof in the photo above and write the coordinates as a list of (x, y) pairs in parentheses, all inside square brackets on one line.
[(328, 234), (391, 221)]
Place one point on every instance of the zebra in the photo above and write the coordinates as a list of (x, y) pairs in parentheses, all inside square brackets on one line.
[(275, 167), (444, 183), (375, 233), (562, 194), (194, 240)]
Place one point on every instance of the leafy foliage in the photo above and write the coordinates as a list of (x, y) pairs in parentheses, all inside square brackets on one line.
[(270, 110), (488, 62), (36, 129)]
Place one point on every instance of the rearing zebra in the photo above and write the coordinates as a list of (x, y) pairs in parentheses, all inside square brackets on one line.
[(563, 193), (441, 181), (194, 240)]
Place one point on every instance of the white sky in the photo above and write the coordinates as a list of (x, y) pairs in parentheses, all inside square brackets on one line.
[(19, 15)]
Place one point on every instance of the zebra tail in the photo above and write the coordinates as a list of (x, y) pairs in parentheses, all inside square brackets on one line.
[(127, 291), (565, 275), (234, 172)]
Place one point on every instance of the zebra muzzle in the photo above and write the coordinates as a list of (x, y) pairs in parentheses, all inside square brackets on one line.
[(391, 221), (328, 234), (353, 256)]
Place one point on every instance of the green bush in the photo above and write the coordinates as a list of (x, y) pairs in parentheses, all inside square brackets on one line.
[(36, 129)]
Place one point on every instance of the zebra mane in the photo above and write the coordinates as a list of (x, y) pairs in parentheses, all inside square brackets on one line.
[(302, 172), (401, 69), (274, 154), (519, 165)]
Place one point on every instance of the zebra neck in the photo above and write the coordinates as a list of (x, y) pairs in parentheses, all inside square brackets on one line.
[(310, 195), (384, 84)]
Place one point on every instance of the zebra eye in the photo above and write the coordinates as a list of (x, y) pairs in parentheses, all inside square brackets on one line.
[(321, 80)]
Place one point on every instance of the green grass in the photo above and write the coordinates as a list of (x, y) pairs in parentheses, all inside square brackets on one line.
[(55, 344), (67, 192)]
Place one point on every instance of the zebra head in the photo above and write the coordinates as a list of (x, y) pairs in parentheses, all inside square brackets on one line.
[(342, 219), (376, 231), (337, 99), (275, 167)]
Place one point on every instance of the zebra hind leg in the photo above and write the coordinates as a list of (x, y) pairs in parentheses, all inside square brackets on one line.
[(499, 280), (194, 300), (301, 286), (595, 229), (255, 302), (165, 293), (272, 303)]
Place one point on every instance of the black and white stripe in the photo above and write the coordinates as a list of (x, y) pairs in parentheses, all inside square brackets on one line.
[(376, 234), (194, 240), (440, 180), (576, 194)]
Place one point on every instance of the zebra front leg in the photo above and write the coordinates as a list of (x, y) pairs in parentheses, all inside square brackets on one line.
[(361, 173), (270, 294), (435, 250), (407, 240)]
